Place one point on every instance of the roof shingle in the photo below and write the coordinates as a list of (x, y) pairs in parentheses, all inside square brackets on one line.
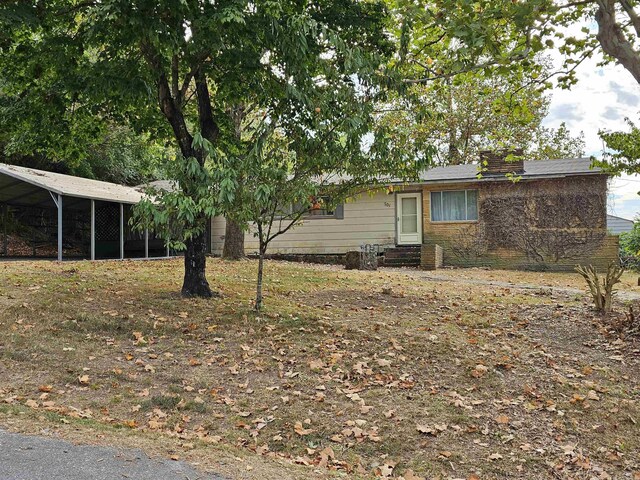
[(532, 169)]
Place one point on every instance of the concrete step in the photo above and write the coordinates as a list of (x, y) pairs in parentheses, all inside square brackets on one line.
[(401, 262), (400, 254)]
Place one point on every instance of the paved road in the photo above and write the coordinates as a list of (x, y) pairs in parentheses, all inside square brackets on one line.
[(38, 458)]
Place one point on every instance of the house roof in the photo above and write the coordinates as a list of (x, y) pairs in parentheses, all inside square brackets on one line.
[(532, 169), (67, 185), (618, 225), (19, 179)]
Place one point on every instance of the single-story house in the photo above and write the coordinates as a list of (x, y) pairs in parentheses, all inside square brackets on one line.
[(552, 215), (527, 214), (618, 225)]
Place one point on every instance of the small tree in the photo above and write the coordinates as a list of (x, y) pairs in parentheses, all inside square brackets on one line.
[(291, 166), (623, 155), (630, 247), (282, 200), (602, 293)]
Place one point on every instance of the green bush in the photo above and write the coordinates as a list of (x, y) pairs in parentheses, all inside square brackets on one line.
[(630, 248)]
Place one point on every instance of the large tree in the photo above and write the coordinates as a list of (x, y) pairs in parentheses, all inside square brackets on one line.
[(174, 68), (475, 76), (463, 115)]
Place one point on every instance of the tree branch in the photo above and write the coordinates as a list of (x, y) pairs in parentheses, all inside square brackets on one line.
[(613, 40), (540, 81), (633, 16), (472, 68), (574, 4), (166, 102), (208, 126), (175, 92)]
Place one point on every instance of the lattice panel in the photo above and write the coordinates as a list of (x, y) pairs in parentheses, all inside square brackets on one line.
[(107, 222)]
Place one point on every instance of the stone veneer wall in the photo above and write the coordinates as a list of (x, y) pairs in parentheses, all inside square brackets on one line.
[(550, 224)]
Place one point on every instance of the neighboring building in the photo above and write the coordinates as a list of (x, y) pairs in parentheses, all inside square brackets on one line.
[(618, 225), (553, 217)]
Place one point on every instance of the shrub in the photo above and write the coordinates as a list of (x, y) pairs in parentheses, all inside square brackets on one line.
[(630, 248), (601, 288)]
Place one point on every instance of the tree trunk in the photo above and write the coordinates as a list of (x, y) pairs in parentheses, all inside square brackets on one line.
[(258, 304), (233, 241), (195, 262), (453, 154), (613, 40), (195, 282), (234, 235)]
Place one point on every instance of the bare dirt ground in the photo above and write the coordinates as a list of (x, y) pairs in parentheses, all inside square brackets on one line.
[(363, 374), (568, 280)]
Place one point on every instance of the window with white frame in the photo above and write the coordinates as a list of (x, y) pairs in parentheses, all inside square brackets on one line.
[(454, 206)]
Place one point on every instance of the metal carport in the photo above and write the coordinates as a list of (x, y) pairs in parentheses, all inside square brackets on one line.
[(27, 187)]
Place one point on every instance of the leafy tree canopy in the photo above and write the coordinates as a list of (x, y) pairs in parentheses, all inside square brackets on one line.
[(553, 143), (498, 36), (463, 115), (117, 155), (624, 150)]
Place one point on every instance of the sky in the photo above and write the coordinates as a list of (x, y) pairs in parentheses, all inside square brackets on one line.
[(602, 99)]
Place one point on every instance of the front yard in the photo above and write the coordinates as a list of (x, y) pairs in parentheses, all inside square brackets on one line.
[(361, 374)]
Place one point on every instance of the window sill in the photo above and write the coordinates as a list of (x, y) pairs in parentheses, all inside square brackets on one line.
[(437, 222), (319, 217), (308, 217)]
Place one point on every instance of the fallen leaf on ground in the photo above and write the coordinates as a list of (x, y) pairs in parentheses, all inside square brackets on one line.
[(502, 419), (409, 475), (300, 430)]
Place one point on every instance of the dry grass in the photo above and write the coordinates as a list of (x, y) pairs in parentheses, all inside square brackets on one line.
[(339, 374)]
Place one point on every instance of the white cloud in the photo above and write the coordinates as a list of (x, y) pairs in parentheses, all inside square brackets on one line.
[(595, 103), (624, 200)]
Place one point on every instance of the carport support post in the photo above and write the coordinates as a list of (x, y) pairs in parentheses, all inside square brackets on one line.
[(5, 239), (168, 250), (93, 229), (121, 231), (59, 204)]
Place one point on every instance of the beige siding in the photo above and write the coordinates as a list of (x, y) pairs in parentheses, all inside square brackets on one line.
[(367, 219)]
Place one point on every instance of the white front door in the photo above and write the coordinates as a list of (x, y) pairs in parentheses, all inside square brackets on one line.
[(409, 218)]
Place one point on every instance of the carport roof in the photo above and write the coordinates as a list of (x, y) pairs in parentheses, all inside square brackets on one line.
[(73, 186)]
